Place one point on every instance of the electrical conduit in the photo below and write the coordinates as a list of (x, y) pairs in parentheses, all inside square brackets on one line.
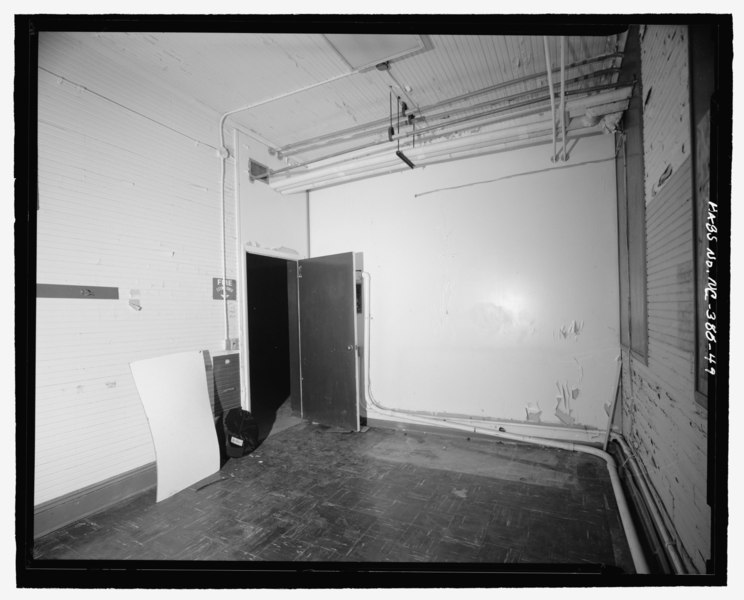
[(639, 560), (643, 485), (563, 97), (345, 134), (552, 94)]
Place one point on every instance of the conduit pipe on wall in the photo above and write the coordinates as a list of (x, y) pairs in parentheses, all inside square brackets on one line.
[(563, 96), (224, 154), (223, 157), (244, 390), (643, 485), (550, 85), (639, 560), (634, 543)]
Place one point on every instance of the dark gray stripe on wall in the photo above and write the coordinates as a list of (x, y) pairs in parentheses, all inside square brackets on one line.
[(51, 290)]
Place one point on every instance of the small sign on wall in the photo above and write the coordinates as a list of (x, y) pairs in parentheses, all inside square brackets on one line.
[(223, 288)]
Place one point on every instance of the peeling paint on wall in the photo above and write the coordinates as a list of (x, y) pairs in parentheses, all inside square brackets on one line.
[(569, 331), (661, 420), (533, 412), (666, 114), (134, 300), (460, 301), (581, 370), (564, 401)]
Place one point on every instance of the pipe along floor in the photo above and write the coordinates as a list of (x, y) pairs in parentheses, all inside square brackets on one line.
[(312, 493)]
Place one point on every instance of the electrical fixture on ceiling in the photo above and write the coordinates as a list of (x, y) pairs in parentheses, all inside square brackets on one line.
[(257, 171), (361, 51), (402, 108)]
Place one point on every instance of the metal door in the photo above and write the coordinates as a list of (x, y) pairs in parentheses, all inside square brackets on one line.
[(328, 342)]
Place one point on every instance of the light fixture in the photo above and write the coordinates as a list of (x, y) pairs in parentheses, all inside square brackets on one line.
[(402, 107), (404, 158)]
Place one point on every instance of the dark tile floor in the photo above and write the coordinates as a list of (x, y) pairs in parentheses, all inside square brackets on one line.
[(311, 493)]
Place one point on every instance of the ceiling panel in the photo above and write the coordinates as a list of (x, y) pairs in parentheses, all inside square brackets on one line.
[(223, 71), (337, 105), (367, 50)]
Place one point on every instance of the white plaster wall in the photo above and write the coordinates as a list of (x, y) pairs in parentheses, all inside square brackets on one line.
[(268, 219), (476, 266)]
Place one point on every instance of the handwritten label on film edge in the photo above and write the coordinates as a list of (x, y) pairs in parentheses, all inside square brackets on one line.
[(711, 288)]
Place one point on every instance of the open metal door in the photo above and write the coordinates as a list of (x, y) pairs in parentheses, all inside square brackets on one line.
[(328, 342)]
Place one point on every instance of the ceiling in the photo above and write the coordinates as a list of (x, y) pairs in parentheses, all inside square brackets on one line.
[(324, 107)]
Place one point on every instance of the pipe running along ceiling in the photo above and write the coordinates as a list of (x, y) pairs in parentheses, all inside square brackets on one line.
[(321, 102), (559, 96)]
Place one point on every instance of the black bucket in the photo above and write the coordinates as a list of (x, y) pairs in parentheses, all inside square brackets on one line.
[(241, 433)]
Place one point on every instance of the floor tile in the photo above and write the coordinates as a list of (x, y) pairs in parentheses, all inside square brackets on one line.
[(307, 494)]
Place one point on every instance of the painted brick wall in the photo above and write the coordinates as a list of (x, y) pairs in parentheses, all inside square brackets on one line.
[(666, 102), (661, 419), (128, 198)]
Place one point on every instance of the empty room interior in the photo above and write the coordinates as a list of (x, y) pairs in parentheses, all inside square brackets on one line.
[(464, 284)]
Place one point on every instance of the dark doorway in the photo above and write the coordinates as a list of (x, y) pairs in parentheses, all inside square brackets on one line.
[(268, 338)]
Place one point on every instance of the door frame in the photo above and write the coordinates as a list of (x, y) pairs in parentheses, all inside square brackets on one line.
[(295, 358), (245, 379)]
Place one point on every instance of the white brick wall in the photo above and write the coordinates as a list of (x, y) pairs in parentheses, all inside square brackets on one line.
[(661, 418), (129, 198), (666, 110)]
